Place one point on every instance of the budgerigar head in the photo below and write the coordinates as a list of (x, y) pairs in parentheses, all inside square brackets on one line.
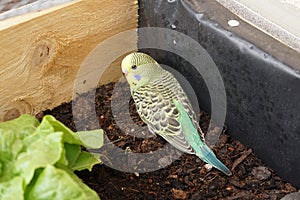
[(139, 69)]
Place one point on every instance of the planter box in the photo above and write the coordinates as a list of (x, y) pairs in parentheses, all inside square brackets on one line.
[(41, 52), (261, 77)]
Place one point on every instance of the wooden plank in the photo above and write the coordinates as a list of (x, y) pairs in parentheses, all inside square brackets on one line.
[(41, 53)]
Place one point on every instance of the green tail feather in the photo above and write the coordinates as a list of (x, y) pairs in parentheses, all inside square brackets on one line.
[(192, 136)]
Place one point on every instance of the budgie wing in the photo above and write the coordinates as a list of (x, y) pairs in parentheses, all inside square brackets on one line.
[(156, 108)]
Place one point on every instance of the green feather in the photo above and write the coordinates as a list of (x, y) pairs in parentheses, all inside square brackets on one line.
[(192, 136)]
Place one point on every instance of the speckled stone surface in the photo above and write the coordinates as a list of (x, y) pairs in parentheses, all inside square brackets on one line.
[(6, 5), (280, 19), (13, 8)]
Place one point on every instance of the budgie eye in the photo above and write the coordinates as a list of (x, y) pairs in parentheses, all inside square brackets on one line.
[(133, 67)]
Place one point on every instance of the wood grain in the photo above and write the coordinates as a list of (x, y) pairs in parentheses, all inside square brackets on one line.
[(41, 53)]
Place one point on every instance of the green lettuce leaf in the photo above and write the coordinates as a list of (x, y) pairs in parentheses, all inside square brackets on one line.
[(12, 134), (85, 160), (49, 125), (37, 160), (12, 189), (55, 183), (91, 139), (39, 153)]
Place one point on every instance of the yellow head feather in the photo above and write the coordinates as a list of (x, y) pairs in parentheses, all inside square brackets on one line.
[(139, 69)]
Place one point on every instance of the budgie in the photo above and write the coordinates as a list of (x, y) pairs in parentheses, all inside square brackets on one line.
[(164, 106)]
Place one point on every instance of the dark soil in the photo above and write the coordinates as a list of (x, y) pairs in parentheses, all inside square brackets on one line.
[(185, 178)]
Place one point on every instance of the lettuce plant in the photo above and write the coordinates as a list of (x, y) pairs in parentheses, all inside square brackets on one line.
[(37, 160)]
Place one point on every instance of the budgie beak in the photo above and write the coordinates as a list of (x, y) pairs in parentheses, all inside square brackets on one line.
[(124, 71)]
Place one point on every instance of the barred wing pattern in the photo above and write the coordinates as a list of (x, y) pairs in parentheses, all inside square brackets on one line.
[(154, 103)]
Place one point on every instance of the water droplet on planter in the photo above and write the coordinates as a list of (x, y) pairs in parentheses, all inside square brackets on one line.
[(171, 1), (233, 23)]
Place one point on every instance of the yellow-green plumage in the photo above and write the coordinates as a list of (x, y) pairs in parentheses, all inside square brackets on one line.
[(164, 107)]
